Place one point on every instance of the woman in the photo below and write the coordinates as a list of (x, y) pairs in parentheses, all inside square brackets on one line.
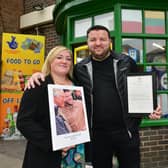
[(33, 117)]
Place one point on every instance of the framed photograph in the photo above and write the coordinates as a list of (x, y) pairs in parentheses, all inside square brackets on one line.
[(68, 117), (141, 91)]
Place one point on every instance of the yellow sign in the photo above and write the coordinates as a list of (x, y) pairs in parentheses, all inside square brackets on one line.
[(22, 55), (22, 52), (9, 106)]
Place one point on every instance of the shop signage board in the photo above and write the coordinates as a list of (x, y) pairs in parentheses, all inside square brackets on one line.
[(22, 55)]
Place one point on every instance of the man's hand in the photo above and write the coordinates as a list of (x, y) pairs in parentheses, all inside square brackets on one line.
[(156, 113), (74, 115), (35, 78), (76, 119)]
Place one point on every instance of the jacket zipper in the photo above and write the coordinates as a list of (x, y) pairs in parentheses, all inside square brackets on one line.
[(90, 71), (115, 74)]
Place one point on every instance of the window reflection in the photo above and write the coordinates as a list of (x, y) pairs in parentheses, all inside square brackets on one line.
[(155, 51), (81, 54), (133, 48), (106, 19), (163, 101), (81, 27)]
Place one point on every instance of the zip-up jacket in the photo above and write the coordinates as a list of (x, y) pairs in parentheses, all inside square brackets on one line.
[(123, 64)]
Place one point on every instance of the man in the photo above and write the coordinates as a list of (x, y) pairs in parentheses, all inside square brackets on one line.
[(112, 130)]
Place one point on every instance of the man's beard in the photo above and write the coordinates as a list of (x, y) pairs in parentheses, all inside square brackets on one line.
[(102, 57)]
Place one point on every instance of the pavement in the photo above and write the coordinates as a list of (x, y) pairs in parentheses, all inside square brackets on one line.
[(11, 153)]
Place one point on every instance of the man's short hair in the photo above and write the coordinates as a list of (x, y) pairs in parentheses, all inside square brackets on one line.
[(98, 27)]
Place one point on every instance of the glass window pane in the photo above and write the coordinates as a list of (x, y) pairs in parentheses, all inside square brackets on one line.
[(81, 54), (163, 101), (155, 22), (161, 76), (133, 48), (106, 19), (155, 51), (81, 27), (131, 21)]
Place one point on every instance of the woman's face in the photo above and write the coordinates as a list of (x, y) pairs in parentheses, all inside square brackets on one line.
[(62, 63)]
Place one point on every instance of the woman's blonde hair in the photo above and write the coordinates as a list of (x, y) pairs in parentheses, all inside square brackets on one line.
[(46, 69)]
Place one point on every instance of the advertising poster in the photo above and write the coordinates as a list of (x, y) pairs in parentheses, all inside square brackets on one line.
[(22, 55)]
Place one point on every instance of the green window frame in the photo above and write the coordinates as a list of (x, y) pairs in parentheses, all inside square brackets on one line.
[(117, 35), (144, 62)]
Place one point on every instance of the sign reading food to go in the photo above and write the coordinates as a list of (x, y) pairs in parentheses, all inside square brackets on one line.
[(22, 55), (23, 52)]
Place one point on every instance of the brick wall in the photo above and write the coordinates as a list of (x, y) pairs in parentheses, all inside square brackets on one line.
[(154, 147), (10, 11), (47, 30), (28, 4)]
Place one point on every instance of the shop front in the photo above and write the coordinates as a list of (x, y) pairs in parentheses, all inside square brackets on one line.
[(138, 29)]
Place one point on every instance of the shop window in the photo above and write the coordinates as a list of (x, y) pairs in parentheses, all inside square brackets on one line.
[(163, 101), (161, 76), (131, 21), (154, 22), (81, 27), (155, 51), (106, 19), (133, 48), (80, 53)]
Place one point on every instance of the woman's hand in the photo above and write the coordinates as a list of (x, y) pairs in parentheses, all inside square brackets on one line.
[(65, 150)]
